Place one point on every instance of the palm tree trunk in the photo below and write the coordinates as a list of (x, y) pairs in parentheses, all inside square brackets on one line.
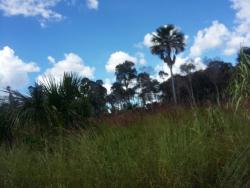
[(173, 85)]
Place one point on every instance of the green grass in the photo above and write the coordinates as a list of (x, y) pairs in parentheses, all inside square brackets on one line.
[(180, 148)]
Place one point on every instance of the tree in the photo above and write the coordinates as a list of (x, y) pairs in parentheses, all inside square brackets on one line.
[(117, 95), (219, 73), (168, 41), (125, 76), (96, 94), (111, 101), (163, 75), (143, 85), (147, 88), (187, 69)]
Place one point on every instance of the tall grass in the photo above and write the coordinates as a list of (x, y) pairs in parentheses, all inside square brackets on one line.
[(207, 147), (240, 84)]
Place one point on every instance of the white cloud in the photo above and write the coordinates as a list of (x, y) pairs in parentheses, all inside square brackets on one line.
[(93, 4), (242, 8), (43, 9), (148, 40), (120, 57), (71, 63), (13, 70), (219, 36), (141, 58), (108, 84), (233, 44), (208, 38), (199, 65), (240, 35), (51, 59)]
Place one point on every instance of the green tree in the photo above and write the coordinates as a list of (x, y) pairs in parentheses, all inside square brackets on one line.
[(116, 98), (147, 88), (168, 41), (187, 69), (219, 73), (96, 94), (163, 75), (125, 76)]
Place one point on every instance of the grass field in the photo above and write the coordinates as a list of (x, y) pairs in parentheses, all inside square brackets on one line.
[(207, 147)]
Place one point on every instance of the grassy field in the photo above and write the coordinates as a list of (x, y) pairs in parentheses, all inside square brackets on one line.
[(207, 147)]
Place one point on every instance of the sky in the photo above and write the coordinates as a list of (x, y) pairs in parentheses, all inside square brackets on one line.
[(91, 37)]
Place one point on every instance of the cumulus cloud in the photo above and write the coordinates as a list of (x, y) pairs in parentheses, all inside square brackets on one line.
[(240, 35), (120, 57), (93, 4), (242, 8), (43, 9), (71, 63), (147, 41), (219, 36), (13, 70), (208, 38), (199, 65)]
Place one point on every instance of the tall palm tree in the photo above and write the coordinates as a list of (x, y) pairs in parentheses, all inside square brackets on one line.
[(168, 41)]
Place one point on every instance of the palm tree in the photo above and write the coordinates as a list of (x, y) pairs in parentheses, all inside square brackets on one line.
[(168, 41), (65, 98), (29, 109)]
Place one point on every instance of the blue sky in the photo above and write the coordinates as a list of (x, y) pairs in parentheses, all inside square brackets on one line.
[(92, 36)]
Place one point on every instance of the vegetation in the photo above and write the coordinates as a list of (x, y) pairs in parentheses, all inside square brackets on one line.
[(189, 131), (206, 147), (167, 43)]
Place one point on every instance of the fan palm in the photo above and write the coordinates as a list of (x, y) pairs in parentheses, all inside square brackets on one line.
[(168, 41), (65, 98), (30, 109)]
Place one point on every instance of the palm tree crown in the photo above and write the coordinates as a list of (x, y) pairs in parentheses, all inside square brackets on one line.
[(167, 42)]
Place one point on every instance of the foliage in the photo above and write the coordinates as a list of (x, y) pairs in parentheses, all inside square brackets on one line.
[(96, 95), (167, 43), (131, 141), (240, 83), (204, 147)]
